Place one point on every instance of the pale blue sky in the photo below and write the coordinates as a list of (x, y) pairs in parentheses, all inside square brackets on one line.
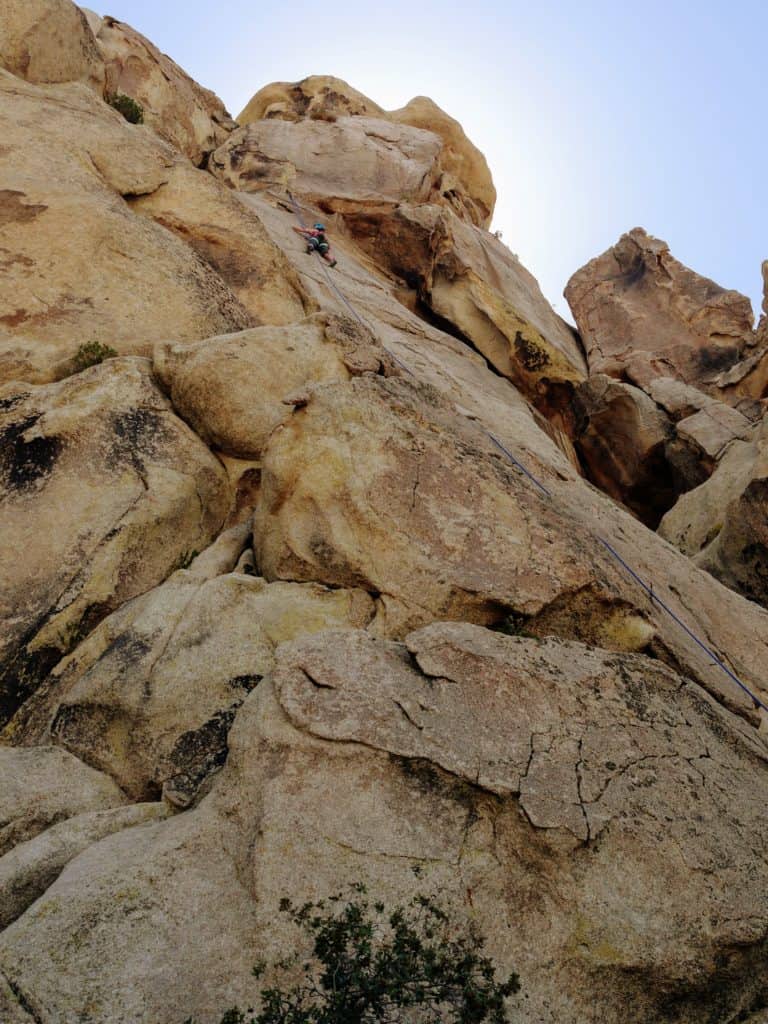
[(595, 116)]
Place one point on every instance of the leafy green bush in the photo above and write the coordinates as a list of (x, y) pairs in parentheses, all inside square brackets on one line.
[(129, 108), (411, 964), (91, 353)]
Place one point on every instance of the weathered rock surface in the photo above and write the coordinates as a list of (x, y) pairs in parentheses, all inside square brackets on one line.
[(349, 163), (319, 98), (44, 785), (723, 524), (376, 484), (105, 490), (150, 696), (463, 180), (643, 314), (234, 391), (231, 240), (544, 788), (31, 867), (621, 436), (49, 41), (466, 181), (67, 164), (191, 118), (473, 282)]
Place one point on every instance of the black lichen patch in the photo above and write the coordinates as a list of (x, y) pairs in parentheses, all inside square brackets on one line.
[(635, 273), (532, 356), (6, 404), (128, 648), (716, 358), (22, 674), (26, 461), (433, 781), (137, 435), (247, 682), (197, 754)]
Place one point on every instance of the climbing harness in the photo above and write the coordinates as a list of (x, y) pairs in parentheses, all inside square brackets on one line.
[(647, 587)]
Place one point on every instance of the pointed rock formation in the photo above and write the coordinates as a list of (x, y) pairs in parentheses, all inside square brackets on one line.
[(642, 314)]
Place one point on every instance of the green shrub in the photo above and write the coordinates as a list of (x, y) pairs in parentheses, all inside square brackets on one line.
[(129, 108), (412, 964), (91, 353)]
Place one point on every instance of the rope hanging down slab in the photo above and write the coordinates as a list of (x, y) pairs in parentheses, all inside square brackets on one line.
[(648, 588)]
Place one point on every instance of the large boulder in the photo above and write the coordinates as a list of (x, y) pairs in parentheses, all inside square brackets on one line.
[(44, 785), (722, 524), (150, 697), (642, 314), (235, 390), (69, 167), (192, 118), (319, 98), (466, 181), (377, 484), (350, 163), (105, 491), (586, 810), (463, 181), (49, 41), (31, 867)]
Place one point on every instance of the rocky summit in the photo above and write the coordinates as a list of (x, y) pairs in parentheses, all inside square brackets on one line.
[(378, 572)]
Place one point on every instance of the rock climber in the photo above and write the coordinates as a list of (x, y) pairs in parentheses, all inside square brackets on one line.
[(317, 242)]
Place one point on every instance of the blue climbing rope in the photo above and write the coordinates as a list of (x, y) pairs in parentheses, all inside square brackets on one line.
[(342, 297), (648, 588)]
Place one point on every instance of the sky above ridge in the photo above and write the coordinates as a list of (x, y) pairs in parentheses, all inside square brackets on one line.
[(595, 117)]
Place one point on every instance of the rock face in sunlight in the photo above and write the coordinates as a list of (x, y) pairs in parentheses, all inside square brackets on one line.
[(49, 41), (462, 176), (192, 118), (313, 575), (642, 314)]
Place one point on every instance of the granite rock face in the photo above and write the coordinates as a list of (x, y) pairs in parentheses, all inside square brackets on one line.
[(70, 166), (306, 585), (191, 118), (49, 41), (463, 180), (642, 314), (543, 788), (104, 489)]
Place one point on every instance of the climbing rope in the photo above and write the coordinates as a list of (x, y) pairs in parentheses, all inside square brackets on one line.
[(648, 588), (342, 297)]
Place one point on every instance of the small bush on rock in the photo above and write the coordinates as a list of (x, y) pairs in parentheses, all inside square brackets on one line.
[(91, 353), (129, 108), (412, 964)]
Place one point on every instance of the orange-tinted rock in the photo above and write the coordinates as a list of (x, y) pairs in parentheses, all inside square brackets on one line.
[(642, 314)]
